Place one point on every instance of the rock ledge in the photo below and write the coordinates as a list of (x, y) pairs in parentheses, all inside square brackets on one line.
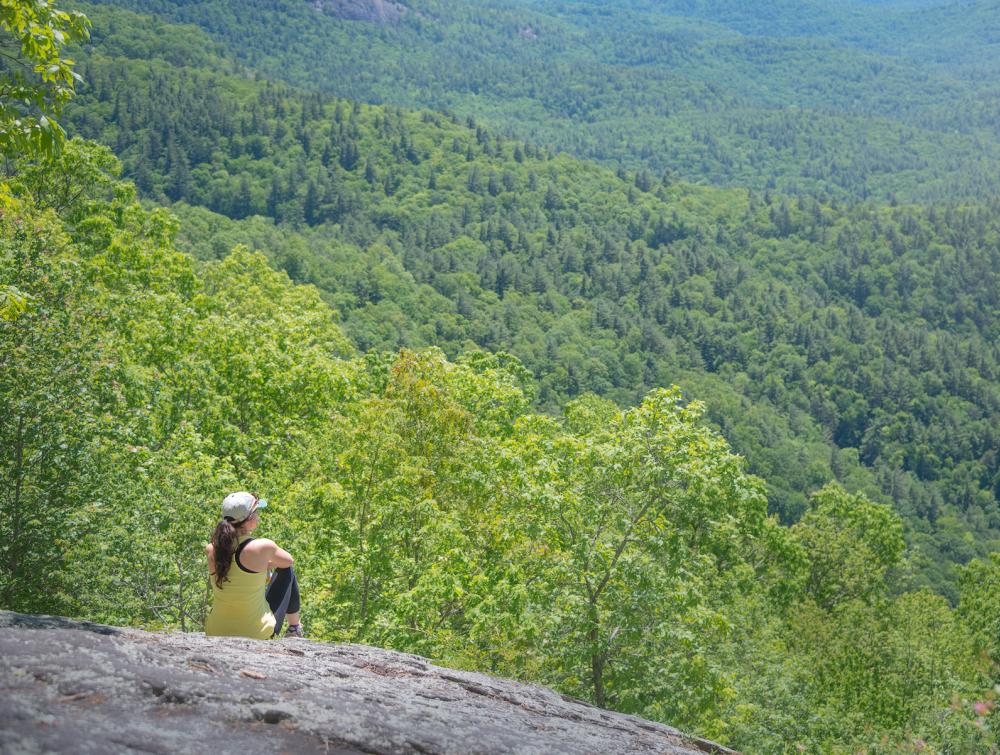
[(70, 686)]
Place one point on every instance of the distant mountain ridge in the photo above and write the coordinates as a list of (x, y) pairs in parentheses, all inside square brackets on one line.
[(852, 102), (963, 29)]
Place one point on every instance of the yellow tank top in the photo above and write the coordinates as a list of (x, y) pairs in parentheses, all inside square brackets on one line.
[(238, 607)]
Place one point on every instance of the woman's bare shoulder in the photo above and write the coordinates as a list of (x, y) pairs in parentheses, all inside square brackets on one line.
[(260, 544)]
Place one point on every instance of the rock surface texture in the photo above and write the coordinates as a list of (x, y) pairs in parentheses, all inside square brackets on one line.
[(69, 686)]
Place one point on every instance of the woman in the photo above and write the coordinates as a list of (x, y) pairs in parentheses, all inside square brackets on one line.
[(243, 603)]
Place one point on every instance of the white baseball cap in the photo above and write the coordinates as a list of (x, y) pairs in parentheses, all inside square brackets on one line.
[(239, 506)]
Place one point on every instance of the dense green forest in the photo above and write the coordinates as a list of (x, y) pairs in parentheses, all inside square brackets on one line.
[(851, 343), (623, 556), (449, 367), (847, 100)]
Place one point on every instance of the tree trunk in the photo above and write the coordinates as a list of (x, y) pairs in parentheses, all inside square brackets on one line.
[(15, 512), (596, 661)]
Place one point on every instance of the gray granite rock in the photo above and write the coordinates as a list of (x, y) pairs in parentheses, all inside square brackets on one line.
[(70, 686)]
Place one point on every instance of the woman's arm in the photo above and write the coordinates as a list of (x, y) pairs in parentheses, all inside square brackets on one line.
[(276, 557)]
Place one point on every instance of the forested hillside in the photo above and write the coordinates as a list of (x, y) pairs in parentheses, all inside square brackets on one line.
[(856, 344), (961, 44), (722, 458), (848, 100), (623, 556)]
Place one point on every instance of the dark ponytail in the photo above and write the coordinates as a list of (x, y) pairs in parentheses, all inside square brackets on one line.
[(224, 542)]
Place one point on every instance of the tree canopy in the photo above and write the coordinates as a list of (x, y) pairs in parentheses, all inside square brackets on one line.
[(38, 77)]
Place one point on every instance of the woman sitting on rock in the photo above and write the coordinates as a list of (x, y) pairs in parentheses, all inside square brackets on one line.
[(243, 603)]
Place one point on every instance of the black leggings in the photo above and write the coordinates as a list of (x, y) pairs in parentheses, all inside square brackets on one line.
[(282, 596)]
